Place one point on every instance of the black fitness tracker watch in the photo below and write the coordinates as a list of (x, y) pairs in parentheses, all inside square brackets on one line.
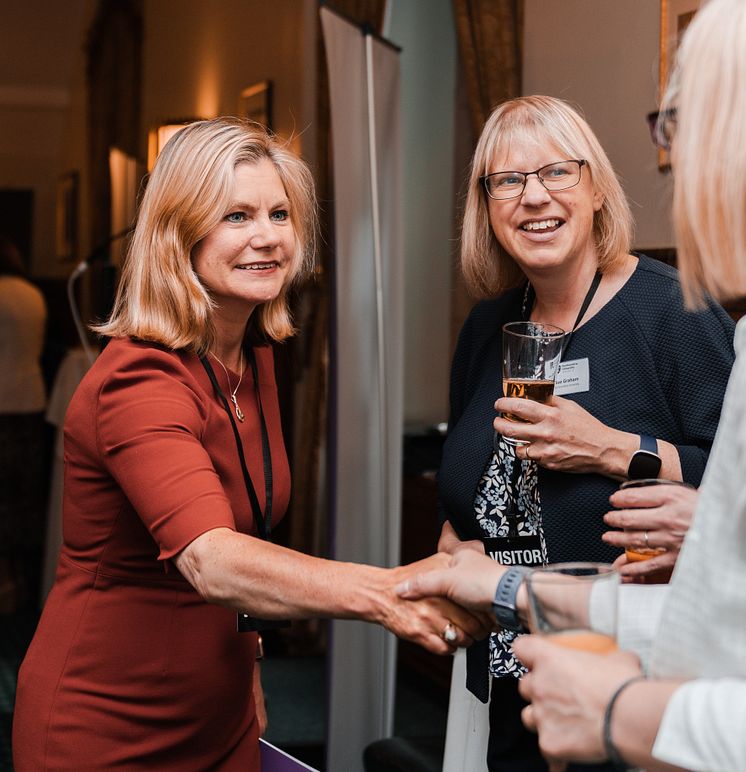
[(645, 462), (503, 607)]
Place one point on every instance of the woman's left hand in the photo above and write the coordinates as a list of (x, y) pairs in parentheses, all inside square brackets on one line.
[(259, 704), (563, 436), (569, 691), (653, 516)]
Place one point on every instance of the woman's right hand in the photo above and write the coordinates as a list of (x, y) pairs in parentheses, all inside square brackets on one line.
[(423, 619)]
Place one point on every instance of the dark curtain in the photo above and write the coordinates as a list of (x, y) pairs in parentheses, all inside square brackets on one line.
[(490, 43), (490, 38), (114, 78)]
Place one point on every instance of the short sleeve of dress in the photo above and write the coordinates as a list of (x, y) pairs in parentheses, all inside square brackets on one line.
[(150, 420)]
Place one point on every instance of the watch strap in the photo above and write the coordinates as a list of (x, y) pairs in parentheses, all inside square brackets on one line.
[(504, 604), (648, 443)]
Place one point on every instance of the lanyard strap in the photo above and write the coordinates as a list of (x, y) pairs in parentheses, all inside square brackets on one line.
[(530, 297), (263, 520)]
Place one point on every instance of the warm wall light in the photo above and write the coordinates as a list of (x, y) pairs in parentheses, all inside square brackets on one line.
[(161, 134), (126, 173)]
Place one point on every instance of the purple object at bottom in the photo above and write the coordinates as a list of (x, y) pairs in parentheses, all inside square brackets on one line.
[(276, 760)]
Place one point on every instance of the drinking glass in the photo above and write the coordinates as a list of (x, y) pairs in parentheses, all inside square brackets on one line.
[(636, 554), (531, 355), (560, 597)]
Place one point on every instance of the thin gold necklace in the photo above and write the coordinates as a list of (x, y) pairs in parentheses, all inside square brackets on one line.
[(239, 412)]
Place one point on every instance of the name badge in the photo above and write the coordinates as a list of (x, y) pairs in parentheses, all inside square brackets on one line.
[(514, 550), (573, 377)]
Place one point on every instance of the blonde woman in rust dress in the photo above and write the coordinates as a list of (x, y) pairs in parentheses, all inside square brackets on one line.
[(137, 662)]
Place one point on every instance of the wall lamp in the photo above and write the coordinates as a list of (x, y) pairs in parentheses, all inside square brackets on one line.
[(159, 135)]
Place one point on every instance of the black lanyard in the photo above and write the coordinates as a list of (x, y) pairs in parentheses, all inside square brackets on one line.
[(530, 297), (263, 520)]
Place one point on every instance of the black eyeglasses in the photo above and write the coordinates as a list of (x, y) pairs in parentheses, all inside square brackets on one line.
[(557, 176), (662, 125)]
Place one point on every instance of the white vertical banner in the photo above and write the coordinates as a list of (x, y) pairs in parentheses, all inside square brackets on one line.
[(367, 388)]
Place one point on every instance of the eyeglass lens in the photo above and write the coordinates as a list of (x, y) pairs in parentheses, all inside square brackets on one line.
[(556, 176)]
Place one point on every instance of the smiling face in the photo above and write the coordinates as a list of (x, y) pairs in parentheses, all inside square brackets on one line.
[(246, 259), (544, 231)]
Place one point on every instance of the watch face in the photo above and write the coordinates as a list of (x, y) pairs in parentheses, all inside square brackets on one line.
[(644, 464)]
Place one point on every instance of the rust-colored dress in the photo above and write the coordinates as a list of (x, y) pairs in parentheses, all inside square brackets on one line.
[(130, 668)]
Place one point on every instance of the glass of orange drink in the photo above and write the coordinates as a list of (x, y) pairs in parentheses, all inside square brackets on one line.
[(560, 597), (531, 356)]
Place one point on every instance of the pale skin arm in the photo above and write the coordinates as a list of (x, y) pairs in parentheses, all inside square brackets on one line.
[(664, 511), (272, 582), (565, 437), (470, 579), (569, 691)]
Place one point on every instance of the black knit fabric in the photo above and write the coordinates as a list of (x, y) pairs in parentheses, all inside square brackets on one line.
[(655, 369)]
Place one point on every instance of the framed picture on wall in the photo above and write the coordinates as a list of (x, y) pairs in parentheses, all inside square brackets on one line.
[(676, 15), (66, 216), (255, 103)]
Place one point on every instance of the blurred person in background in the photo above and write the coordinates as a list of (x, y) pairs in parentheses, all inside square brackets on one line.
[(23, 315)]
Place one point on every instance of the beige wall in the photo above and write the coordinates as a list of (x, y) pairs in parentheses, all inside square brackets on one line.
[(603, 56), (200, 54), (40, 85)]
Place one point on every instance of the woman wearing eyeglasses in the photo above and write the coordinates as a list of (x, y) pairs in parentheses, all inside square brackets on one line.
[(546, 237)]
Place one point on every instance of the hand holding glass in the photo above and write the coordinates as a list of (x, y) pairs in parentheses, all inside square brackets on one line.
[(637, 554), (531, 355), (559, 599)]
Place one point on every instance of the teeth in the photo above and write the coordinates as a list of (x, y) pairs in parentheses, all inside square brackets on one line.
[(540, 225), (257, 266)]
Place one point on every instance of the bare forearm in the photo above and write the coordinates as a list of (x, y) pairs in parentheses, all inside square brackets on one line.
[(271, 582), (636, 719), (614, 461)]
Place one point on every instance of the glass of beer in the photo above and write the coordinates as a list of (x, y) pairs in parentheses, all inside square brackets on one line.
[(560, 597), (531, 355), (645, 553)]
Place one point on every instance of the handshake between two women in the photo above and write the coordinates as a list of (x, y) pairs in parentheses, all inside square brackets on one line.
[(439, 624)]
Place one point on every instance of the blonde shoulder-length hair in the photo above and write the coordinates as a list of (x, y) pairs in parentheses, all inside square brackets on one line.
[(488, 268), (160, 298), (709, 153)]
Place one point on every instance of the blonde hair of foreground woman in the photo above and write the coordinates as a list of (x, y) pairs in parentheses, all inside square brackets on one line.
[(160, 298), (709, 154)]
